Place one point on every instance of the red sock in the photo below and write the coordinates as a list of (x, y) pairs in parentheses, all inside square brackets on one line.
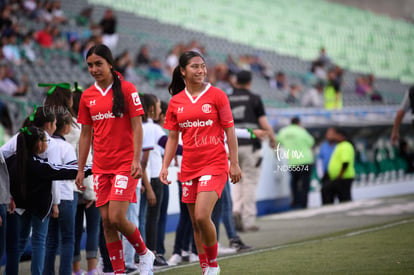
[(137, 242), (203, 261), (116, 255), (211, 253)]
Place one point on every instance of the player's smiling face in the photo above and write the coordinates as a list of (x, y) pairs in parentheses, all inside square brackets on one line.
[(196, 71), (99, 68)]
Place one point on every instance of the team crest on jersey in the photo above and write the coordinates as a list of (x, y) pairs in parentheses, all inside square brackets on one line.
[(206, 108), (135, 99), (121, 181), (180, 110), (186, 192)]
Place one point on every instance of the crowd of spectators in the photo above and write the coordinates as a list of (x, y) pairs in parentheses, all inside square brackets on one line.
[(21, 41)]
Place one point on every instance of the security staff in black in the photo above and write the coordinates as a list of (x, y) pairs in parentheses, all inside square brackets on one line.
[(248, 112), (406, 105)]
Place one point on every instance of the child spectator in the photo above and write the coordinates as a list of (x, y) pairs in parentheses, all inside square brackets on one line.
[(61, 229), (30, 185)]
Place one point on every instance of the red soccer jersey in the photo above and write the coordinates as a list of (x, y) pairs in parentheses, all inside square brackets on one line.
[(113, 148), (201, 121)]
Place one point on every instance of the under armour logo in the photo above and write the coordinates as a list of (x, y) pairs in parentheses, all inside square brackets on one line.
[(203, 183), (180, 109), (92, 102), (119, 191)]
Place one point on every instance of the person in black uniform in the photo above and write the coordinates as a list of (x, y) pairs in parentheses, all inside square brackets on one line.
[(248, 112)]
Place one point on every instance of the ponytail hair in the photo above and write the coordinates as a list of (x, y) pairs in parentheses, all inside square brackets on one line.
[(27, 141), (118, 107), (40, 116), (177, 82), (62, 119)]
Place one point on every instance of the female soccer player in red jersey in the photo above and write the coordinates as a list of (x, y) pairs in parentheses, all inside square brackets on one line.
[(202, 114), (110, 112)]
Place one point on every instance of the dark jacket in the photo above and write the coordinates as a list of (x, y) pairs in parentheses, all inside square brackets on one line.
[(36, 195)]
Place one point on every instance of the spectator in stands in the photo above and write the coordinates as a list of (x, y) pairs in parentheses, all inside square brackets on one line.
[(76, 52), (31, 8), (7, 21), (362, 87), (298, 143), (8, 85), (45, 12), (195, 46), (125, 65), (84, 17), (320, 71), (309, 78), (313, 97), (108, 25), (376, 95), (294, 94), (11, 50), (280, 82), (172, 58), (143, 56), (44, 37), (223, 78), (257, 65), (232, 65), (341, 170), (58, 15), (248, 112), (156, 73), (121, 61), (406, 105), (332, 92), (323, 58), (27, 49)]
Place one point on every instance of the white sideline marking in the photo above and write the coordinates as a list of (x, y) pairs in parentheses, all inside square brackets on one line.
[(347, 235), (327, 209)]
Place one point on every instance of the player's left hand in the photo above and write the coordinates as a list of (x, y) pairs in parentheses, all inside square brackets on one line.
[(235, 172)]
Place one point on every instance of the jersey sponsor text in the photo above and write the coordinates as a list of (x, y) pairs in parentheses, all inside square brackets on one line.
[(101, 116), (196, 123)]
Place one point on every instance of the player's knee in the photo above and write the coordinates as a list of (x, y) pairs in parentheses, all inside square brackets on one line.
[(116, 220)]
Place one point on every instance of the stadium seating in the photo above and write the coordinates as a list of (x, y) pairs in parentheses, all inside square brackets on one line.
[(357, 40)]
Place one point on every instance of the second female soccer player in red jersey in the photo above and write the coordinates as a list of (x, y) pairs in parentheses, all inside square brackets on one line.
[(202, 114), (110, 112)]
